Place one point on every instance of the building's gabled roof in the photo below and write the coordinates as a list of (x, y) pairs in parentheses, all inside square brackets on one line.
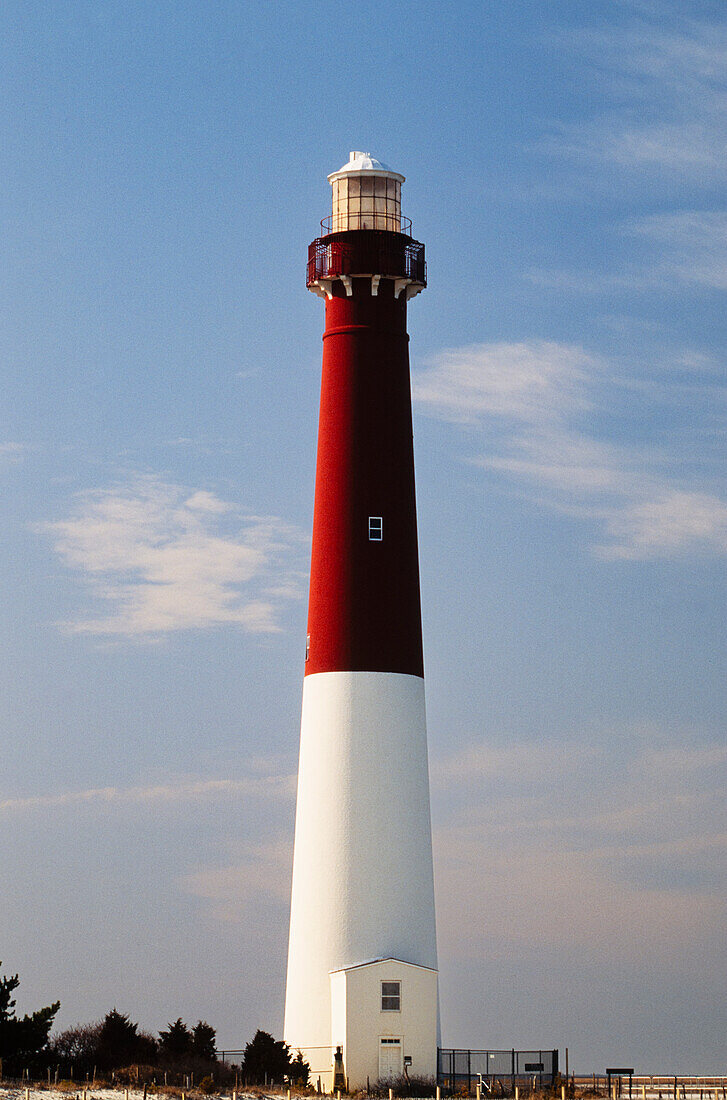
[(385, 959)]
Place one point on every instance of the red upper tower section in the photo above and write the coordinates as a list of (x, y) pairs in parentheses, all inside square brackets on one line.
[(364, 608)]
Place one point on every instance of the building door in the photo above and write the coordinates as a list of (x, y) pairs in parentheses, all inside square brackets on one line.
[(390, 1064)]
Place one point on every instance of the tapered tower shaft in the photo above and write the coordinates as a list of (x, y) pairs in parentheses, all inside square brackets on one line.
[(362, 875)]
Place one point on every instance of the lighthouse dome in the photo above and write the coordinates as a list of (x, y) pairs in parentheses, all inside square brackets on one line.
[(363, 164)]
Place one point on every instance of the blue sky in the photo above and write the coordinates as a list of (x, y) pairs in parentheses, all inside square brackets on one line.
[(165, 171)]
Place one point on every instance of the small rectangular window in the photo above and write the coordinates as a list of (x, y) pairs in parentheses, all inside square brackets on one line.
[(391, 996), (307, 646), (376, 528)]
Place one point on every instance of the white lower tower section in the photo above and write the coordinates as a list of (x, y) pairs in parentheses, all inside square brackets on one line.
[(363, 884)]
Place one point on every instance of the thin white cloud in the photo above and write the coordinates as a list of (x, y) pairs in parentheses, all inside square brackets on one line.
[(669, 93), (165, 558), (11, 453), (260, 872), (185, 791), (690, 246), (529, 382), (632, 863), (679, 249), (528, 399)]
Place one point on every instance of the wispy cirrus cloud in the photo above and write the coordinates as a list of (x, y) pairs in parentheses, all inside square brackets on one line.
[(528, 400), (648, 840), (679, 249), (185, 791), (11, 452), (165, 558), (689, 246), (668, 92), (258, 872)]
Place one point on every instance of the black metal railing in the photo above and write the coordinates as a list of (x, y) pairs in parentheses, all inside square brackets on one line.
[(366, 252), (490, 1068), (389, 222)]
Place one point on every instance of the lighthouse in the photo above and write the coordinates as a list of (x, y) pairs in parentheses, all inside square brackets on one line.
[(362, 983)]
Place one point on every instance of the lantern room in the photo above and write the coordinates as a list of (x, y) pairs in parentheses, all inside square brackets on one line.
[(366, 195)]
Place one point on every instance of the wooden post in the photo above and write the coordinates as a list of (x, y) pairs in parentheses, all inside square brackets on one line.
[(439, 1093)]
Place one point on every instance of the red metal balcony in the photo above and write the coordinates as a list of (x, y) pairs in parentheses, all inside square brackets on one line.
[(366, 252)]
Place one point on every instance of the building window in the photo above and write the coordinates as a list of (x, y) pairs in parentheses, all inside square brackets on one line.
[(391, 996), (307, 646), (376, 528)]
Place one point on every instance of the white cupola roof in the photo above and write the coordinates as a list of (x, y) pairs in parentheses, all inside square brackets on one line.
[(363, 164)]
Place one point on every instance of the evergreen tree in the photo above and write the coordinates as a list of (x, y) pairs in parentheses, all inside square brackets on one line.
[(121, 1044), (203, 1042), (299, 1070), (265, 1056), (176, 1043), (22, 1039)]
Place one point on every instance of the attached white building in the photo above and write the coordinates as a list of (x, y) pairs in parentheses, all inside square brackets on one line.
[(384, 1018)]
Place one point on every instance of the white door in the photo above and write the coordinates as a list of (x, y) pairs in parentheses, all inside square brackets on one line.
[(390, 1059)]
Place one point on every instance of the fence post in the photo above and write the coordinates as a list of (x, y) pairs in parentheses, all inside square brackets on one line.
[(517, 1092), (478, 1092), (391, 1094), (439, 1093), (27, 1094)]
